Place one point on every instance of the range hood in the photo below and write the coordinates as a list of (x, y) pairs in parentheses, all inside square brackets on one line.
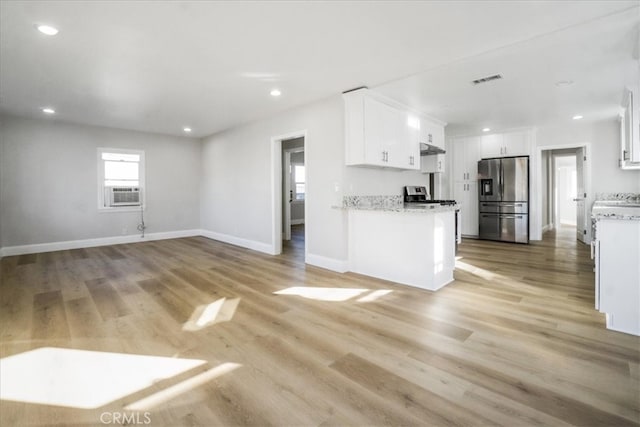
[(429, 150)]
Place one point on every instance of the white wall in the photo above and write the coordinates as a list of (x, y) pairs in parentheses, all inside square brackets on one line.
[(606, 177), (226, 210), (604, 138), (49, 185)]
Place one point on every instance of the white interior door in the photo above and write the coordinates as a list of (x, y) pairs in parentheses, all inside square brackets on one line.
[(287, 197), (581, 195)]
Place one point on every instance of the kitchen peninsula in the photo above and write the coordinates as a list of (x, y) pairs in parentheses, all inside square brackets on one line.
[(408, 244)]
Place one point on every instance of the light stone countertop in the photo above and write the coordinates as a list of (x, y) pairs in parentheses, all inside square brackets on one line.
[(410, 207), (629, 217), (392, 203), (620, 206)]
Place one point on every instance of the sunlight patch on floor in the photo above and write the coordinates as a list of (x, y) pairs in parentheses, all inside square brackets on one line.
[(476, 271), (221, 310), (83, 379), (176, 390), (333, 294), (373, 296)]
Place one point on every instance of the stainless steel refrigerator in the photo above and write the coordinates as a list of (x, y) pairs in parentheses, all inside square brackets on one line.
[(504, 199)]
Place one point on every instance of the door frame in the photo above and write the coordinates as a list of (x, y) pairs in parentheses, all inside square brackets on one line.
[(537, 229), (276, 190)]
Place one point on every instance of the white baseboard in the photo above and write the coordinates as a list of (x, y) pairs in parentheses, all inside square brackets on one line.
[(238, 241), (337, 265), (101, 241), (547, 228)]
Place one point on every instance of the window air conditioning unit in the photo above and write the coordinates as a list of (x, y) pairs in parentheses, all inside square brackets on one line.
[(122, 196)]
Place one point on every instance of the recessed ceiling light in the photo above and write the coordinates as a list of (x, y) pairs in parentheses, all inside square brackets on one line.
[(564, 83), (486, 129), (187, 129), (275, 92), (47, 29), (577, 117), (48, 110)]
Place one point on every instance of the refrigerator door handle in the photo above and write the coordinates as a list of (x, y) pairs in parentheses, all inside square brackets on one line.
[(501, 181)]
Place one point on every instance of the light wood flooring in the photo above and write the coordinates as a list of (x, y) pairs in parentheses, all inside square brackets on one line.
[(514, 341)]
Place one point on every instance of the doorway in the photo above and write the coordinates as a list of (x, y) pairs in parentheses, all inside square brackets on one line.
[(289, 194), (565, 182), (565, 190), (293, 188)]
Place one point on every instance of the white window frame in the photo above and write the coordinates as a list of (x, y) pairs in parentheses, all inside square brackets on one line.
[(294, 183), (141, 184)]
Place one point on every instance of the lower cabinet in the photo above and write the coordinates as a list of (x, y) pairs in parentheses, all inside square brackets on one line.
[(412, 248), (617, 262)]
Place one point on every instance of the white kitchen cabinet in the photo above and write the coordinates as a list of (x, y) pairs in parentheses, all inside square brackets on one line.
[(617, 261), (466, 153), (629, 132), (379, 133), (517, 143), (466, 194), (491, 146), (412, 248), (431, 132), (507, 144), (434, 163)]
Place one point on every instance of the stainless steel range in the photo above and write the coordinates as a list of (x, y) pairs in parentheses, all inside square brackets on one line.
[(419, 195)]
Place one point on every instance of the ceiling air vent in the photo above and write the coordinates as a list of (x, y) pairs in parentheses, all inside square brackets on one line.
[(487, 79)]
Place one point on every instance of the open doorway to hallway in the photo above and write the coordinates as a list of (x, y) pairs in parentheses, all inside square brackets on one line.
[(564, 191), (289, 194), (294, 191)]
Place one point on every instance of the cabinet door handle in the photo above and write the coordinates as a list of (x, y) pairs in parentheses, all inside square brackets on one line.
[(411, 161), (439, 164), (430, 138)]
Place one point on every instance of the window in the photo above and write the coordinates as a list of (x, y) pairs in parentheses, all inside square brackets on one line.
[(298, 182), (120, 179)]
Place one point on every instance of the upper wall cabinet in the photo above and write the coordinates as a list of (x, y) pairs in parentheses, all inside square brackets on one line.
[(507, 144), (431, 132), (630, 132), (381, 132)]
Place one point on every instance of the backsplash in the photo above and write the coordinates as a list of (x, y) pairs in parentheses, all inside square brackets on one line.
[(372, 201), (629, 197)]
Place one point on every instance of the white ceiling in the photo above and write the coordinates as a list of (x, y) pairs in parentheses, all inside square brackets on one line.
[(159, 66), (597, 57)]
